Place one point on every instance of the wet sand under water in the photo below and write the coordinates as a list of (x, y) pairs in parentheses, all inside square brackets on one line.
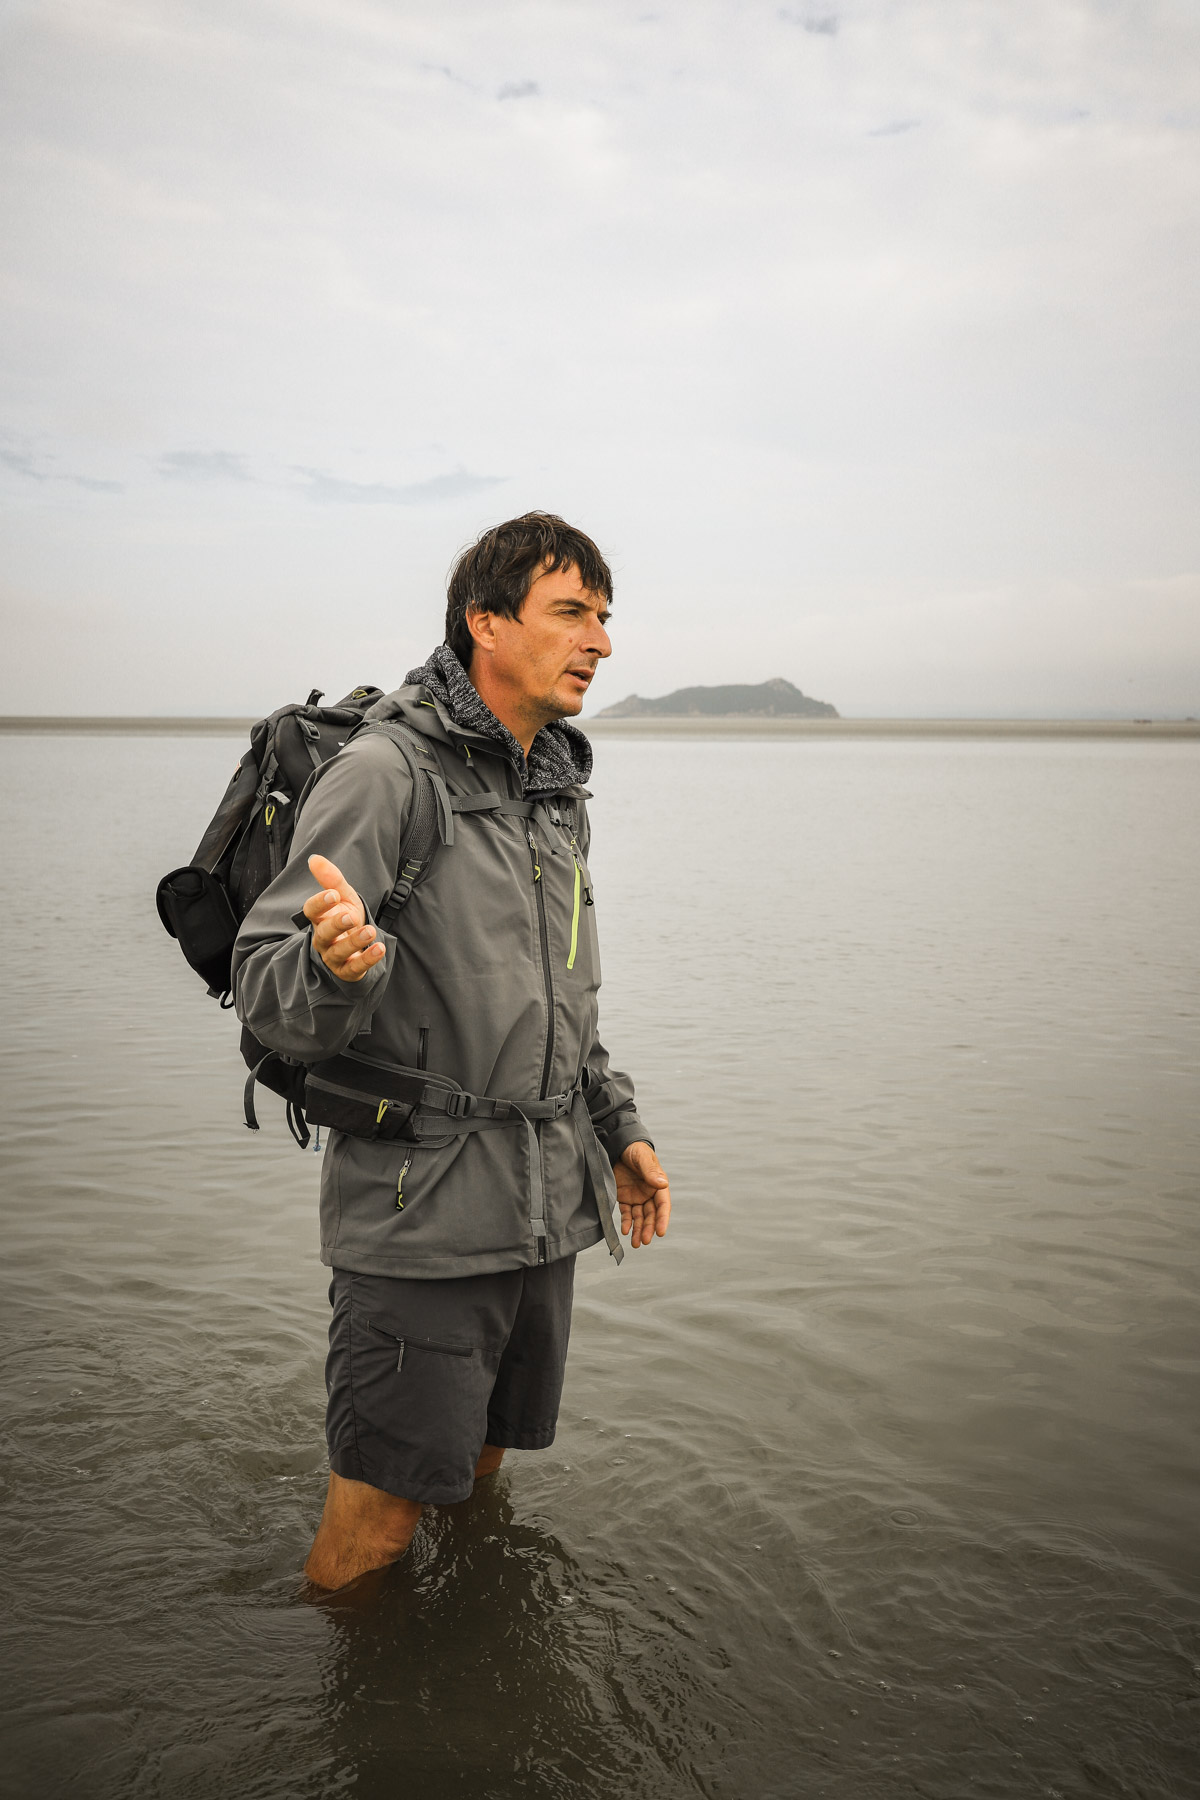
[(878, 1478)]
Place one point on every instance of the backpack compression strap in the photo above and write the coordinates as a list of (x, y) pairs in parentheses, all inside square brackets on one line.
[(431, 820)]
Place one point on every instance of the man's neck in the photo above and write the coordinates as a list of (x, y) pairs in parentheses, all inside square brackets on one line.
[(504, 705)]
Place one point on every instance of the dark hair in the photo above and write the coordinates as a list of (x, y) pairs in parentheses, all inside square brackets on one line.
[(496, 573)]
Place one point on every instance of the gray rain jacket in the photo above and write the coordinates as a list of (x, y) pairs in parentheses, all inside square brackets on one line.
[(491, 980)]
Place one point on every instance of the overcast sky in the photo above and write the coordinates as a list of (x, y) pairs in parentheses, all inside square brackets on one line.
[(861, 334)]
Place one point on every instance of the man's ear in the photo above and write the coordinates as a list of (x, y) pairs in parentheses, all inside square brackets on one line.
[(482, 627)]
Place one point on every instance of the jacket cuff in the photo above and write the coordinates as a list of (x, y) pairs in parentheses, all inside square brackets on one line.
[(616, 1142)]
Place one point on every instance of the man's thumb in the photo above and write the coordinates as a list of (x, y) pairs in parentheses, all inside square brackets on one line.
[(645, 1159), (327, 875)]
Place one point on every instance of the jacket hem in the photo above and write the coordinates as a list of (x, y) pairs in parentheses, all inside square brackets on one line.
[(451, 1267)]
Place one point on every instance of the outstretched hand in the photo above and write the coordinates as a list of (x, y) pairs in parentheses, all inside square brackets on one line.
[(643, 1195), (344, 941)]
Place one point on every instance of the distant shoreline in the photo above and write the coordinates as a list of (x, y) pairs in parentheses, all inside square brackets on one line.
[(694, 725)]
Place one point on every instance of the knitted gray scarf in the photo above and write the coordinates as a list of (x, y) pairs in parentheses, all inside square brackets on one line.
[(560, 755)]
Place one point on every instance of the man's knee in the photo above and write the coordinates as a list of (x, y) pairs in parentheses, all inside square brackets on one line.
[(370, 1510), (362, 1528), (369, 1519)]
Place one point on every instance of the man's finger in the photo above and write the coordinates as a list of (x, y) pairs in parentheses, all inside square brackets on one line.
[(318, 904), (327, 933), (342, 922), (356, 965), (346, 943)]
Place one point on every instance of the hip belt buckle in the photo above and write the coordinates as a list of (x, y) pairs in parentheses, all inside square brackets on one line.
[(460, 1106)]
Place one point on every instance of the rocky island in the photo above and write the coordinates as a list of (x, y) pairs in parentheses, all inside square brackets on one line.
[(777, 699)]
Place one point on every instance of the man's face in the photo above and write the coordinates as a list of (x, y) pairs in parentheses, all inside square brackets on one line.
[(546, 659)]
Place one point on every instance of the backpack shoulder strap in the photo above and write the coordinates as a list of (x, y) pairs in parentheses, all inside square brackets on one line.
[(430, 819)]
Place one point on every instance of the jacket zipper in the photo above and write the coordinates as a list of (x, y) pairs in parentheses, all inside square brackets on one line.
[(544, 937), (404, 1168)]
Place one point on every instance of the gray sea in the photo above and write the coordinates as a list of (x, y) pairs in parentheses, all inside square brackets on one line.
[(877, 1478)]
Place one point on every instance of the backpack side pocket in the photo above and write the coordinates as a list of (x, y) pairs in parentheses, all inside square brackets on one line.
[(196, 910)]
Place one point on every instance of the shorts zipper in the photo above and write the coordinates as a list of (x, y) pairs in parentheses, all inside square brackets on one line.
[(403, 1344)]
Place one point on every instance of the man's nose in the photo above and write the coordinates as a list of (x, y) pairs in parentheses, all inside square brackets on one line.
[(598, 641)]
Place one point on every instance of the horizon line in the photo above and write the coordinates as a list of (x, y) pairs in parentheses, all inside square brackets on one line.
[(693, 724)]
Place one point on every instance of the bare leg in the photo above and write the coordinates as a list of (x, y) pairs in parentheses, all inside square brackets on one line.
[(361, 1528)]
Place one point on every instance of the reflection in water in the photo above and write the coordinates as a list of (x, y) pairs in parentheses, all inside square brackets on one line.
[(498, 1664), (485, 1668)]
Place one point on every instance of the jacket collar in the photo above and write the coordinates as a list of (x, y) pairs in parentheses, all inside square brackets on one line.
[(559, 757)]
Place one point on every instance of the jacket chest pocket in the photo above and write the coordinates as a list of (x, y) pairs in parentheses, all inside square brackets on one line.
[(581, 930), (573, 897)]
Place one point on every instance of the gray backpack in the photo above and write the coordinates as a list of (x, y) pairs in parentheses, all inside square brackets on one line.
[(247, 842)]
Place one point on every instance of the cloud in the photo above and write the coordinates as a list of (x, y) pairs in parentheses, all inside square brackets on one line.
[(518, 90), (203, 465), (22, 463), (448, 72), (331, 488), (894, 128), (825, 26)]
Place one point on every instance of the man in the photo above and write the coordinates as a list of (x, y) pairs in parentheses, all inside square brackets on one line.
[(452, 1224)]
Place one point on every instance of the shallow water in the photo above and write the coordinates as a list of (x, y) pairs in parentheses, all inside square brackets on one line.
[(877, 1478)]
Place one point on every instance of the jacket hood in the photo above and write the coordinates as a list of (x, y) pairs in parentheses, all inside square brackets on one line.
[(560, 755)]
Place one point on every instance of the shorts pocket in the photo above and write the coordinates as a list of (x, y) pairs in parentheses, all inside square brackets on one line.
[(419, 1401), (419, 1344)]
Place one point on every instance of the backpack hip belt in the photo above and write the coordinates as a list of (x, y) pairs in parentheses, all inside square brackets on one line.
[(388, 1102)]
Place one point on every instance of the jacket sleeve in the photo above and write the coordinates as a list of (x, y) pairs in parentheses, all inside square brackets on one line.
[(609, 1096), (609, 1092), (354, 814)]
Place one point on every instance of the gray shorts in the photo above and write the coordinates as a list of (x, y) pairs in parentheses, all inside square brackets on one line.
[(421, 1374)]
